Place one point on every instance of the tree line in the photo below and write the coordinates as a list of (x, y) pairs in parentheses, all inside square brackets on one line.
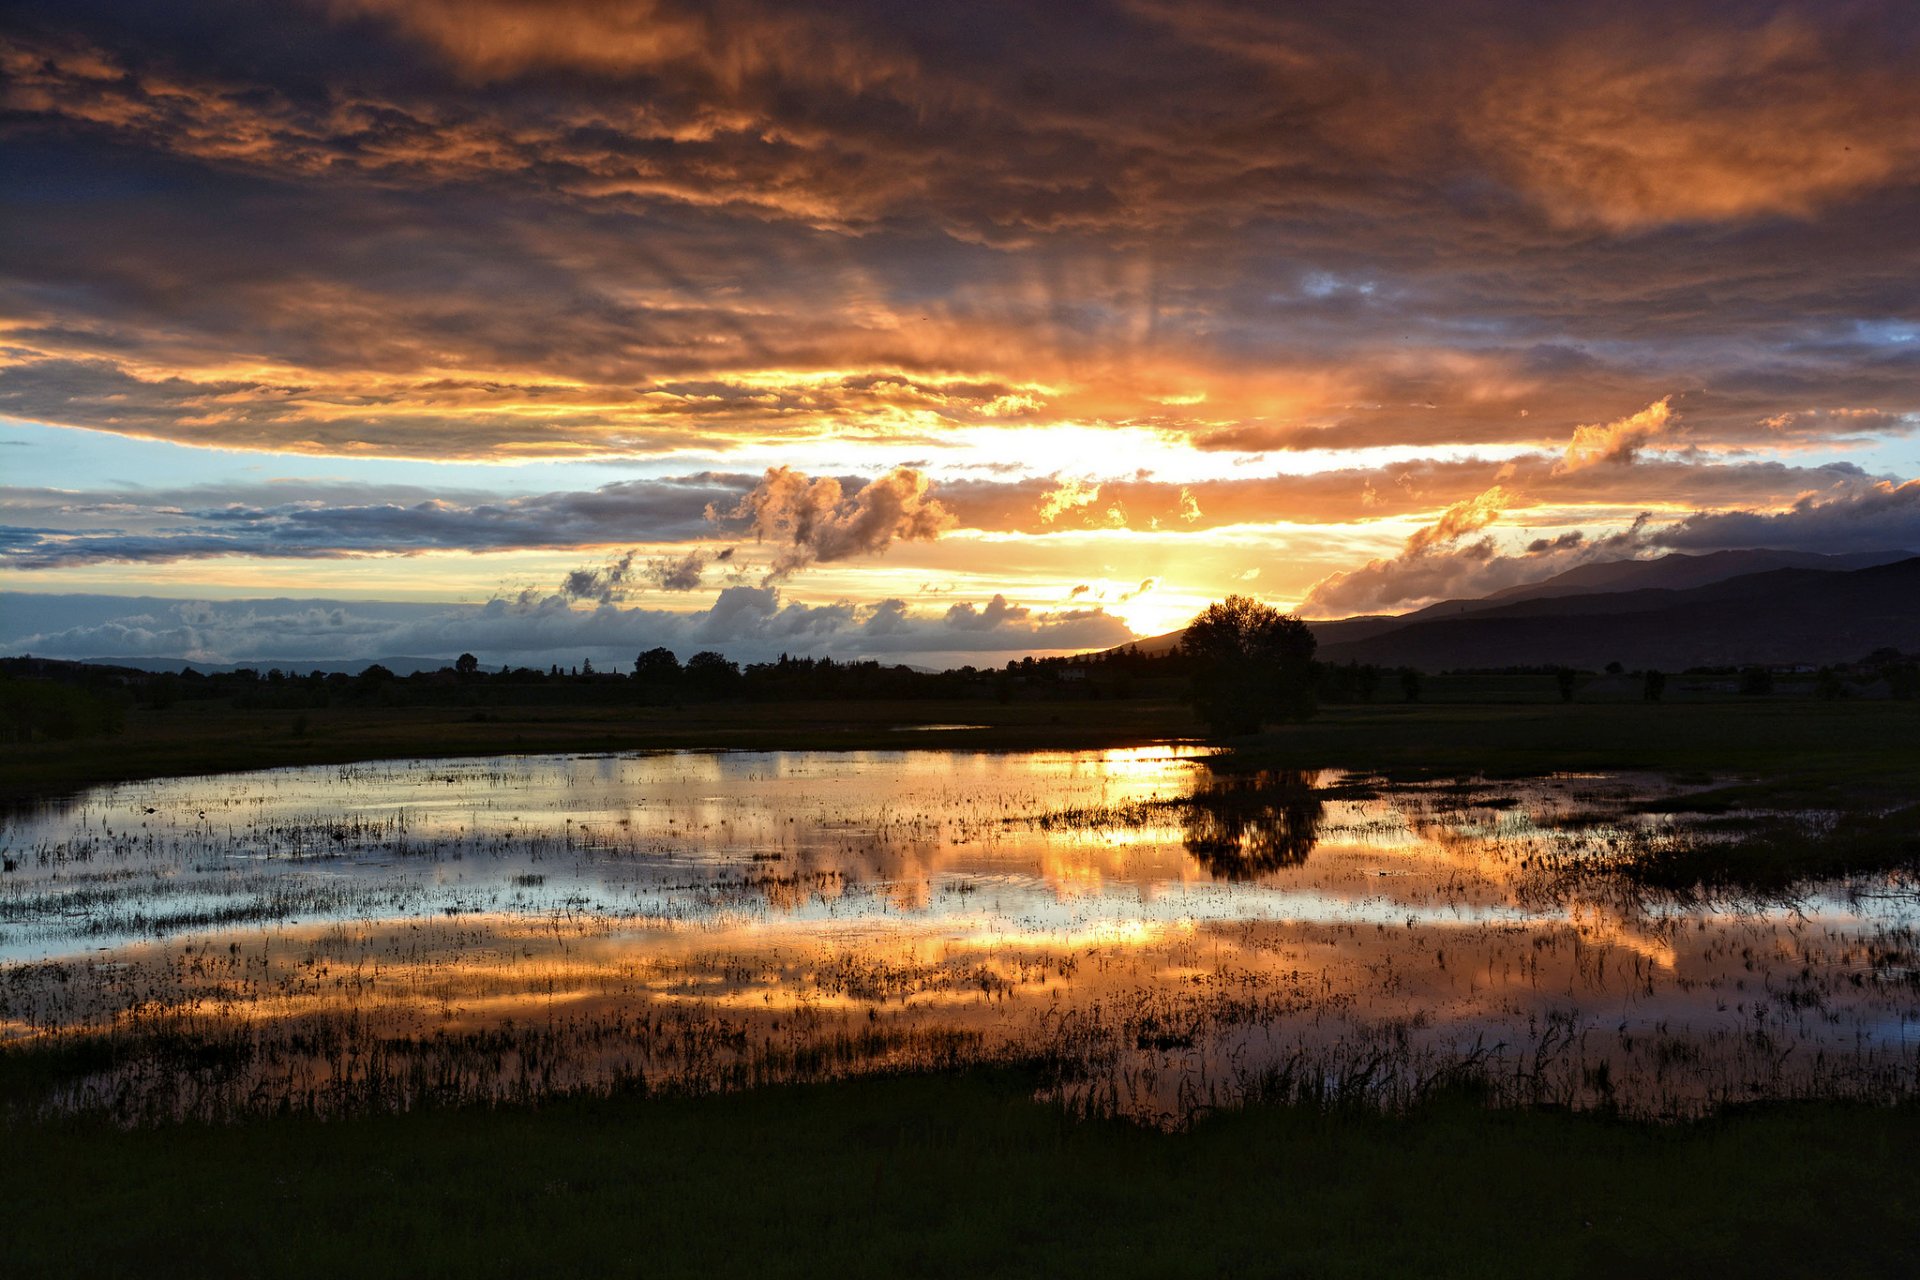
[(1241, 664)]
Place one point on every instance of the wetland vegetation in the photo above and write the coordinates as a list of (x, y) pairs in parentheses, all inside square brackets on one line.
[(1054, 945), (1161, 930)]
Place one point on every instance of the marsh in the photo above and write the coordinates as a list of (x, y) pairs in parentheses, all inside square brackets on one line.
[(1166, 934)]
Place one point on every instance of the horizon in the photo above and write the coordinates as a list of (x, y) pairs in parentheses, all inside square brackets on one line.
[(612, 660), (942, 339)]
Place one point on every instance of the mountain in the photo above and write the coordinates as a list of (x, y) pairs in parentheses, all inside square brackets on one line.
[(1676, 571), (1789, 615), (1727, 608), (1679, 571)]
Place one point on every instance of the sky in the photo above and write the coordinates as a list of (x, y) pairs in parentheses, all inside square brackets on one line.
[(936, 333)]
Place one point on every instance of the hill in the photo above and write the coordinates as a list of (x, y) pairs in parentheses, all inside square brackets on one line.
[(1813, 616), (1728, 608)]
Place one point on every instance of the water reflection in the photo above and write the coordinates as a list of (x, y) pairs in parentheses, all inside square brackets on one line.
[(1167, 933), (1240, 826)]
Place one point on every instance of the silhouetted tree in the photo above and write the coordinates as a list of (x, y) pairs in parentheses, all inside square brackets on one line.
[(466, 664), (657, 665), (1251, 664), (712, 675)]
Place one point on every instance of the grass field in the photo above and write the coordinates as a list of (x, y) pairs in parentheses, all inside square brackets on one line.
[(193, 738), (964, 1176), (1811, 748)]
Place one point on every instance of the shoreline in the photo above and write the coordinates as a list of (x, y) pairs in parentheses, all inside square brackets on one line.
[(1802, 749)]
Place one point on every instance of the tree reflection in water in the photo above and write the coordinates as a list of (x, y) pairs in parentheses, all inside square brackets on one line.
[(1243, 825)]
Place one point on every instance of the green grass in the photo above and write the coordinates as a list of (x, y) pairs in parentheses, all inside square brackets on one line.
[(963, 1176)]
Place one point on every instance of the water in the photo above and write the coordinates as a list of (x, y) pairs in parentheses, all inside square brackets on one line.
[(1161, 937)]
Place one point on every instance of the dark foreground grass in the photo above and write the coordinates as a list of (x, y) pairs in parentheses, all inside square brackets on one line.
[(1802, 750), (199, 738), (964, 1176), (1806, 750)]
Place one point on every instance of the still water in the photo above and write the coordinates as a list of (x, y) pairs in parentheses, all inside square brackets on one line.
[(1158, 936)]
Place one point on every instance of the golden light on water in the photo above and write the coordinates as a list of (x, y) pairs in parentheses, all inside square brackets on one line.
[(693, 916)]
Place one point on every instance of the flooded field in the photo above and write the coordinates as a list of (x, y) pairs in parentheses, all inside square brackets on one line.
[(1159, 935)]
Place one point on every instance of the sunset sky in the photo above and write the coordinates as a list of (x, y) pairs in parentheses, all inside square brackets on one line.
[(936, 332)]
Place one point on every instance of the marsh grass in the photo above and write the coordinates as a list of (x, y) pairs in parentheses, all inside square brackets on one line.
[(359, 960), (963, 1175)]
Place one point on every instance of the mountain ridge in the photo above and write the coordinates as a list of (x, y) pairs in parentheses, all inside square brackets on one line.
[(1687, 611)]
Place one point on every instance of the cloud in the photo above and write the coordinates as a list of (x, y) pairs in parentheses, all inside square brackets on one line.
[(1460, 519), (669, 227), (1677, 118), (811, 520), (747, 623), (620, 578), (1854, 514), (1068, 495), (1880, 517), (605, 584), (1469, 572), (1427, 567), (842, 236), (167, 525), (1618, 441), (1846, 518), (49, 529), (687, 572)]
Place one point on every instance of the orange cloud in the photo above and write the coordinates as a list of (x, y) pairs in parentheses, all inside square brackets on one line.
[(1616, 441), (1629, 128), (1460, 519)]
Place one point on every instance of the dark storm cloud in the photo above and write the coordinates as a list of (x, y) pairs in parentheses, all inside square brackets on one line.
[(52, 529), (1880, 517), (192, 523), (500, 228)]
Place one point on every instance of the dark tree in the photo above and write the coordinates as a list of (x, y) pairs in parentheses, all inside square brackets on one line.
[(1251, 664), (657, 665), (466, 664), (712, 675)]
